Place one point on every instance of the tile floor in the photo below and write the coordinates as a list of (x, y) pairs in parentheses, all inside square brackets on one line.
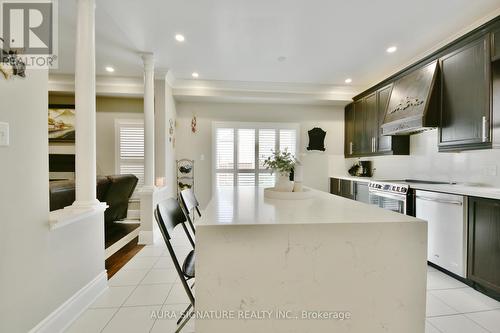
[(149, 283)]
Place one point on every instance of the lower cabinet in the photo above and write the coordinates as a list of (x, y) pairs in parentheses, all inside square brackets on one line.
[(484, 243), (335, 186), (342, 187)]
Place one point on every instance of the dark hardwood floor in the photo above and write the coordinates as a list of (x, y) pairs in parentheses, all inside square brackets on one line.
[(116, 231), (120, 258)]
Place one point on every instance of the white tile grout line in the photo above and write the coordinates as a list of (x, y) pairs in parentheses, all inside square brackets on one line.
[(437, 329), (137, 285), (471, 319)]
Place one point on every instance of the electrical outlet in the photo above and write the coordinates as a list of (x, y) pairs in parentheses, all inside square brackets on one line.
[(4, 134), (490, 170)]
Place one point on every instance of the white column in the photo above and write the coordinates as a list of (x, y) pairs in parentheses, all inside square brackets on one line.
[(85, 105), (148, 230), (149, 120)]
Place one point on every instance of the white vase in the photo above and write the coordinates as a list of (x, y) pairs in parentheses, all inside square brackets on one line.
[(283, 183)]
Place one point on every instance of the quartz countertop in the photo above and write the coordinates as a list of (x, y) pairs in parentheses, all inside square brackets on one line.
[(248, 206), (478, 190)]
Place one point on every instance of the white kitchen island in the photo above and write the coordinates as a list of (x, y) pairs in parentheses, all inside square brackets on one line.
[(325, 264)]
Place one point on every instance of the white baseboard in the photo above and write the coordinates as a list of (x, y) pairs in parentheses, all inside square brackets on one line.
[(146, 238), (61, 318)]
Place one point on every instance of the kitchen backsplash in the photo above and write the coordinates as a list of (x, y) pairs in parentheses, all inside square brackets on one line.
[(424, 162)]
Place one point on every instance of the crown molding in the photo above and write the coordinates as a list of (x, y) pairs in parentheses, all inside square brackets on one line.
[(263, 92), (105, 86), (218, 91)]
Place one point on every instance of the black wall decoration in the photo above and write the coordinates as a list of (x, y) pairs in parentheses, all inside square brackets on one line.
[(316, 139)]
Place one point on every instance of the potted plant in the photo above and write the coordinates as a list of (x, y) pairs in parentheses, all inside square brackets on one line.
[(281, 163)]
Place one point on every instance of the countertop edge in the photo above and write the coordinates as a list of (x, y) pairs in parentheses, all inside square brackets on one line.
[(472, 191)]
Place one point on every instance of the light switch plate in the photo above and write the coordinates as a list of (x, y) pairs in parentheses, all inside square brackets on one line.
[(4, 134)]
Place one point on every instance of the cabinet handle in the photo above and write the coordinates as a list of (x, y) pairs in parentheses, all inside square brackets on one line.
[(350, 148), (447, 202), (485, 129)]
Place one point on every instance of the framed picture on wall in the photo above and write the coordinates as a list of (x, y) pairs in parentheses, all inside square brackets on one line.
[(61, 123)]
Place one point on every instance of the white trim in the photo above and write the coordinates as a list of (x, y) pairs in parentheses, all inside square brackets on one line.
[(105, 86), (62, 317), (121, 243), (218, 91), (73, 214)]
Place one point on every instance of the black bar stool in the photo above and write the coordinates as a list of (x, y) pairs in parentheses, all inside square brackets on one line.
[(169, 215), (190, 204)]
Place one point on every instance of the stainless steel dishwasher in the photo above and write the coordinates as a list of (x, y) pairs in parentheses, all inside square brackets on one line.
[(446, 215)]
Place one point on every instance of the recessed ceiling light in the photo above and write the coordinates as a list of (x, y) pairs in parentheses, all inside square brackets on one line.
[(195, 75), (392, 49), (348, 80), (110, 69), (179, 38)]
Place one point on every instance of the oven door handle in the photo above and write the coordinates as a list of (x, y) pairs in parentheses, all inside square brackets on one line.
[(388, 195)]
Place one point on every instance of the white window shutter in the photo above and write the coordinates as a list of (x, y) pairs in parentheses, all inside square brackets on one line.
[(288, 140), (240, 146), (131, 151)]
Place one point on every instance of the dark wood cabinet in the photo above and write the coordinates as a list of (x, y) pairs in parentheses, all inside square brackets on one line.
[(349, 130), (371, 123), (363, 120), (484, 243), (359, 128), (342, 187), (347, 189), (466, 97), (495, 45), (335, 186)]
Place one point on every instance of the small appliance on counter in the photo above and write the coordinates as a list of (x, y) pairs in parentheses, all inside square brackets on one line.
[(361, 169)]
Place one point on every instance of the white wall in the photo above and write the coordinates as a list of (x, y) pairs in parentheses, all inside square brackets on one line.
[(316, 164), (425, 162), (165, 111), (39, 269)]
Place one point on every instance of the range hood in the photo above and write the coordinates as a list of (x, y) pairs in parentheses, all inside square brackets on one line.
[(413, 106)]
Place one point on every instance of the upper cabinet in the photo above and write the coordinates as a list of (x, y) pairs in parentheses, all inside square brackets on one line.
[(359, 146), (384, 143), (466, 111), (495, 45), (363, 119), (349, 130)]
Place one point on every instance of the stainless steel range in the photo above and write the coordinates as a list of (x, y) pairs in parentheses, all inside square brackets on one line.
[(392, 195)]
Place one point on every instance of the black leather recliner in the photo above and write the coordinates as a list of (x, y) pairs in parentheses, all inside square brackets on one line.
[(114, 190)]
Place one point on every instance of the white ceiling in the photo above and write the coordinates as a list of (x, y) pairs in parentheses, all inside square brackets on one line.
[(324, 41)]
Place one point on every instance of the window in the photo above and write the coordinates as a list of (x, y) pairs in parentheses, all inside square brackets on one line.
[(240, 150), (130, 150)]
